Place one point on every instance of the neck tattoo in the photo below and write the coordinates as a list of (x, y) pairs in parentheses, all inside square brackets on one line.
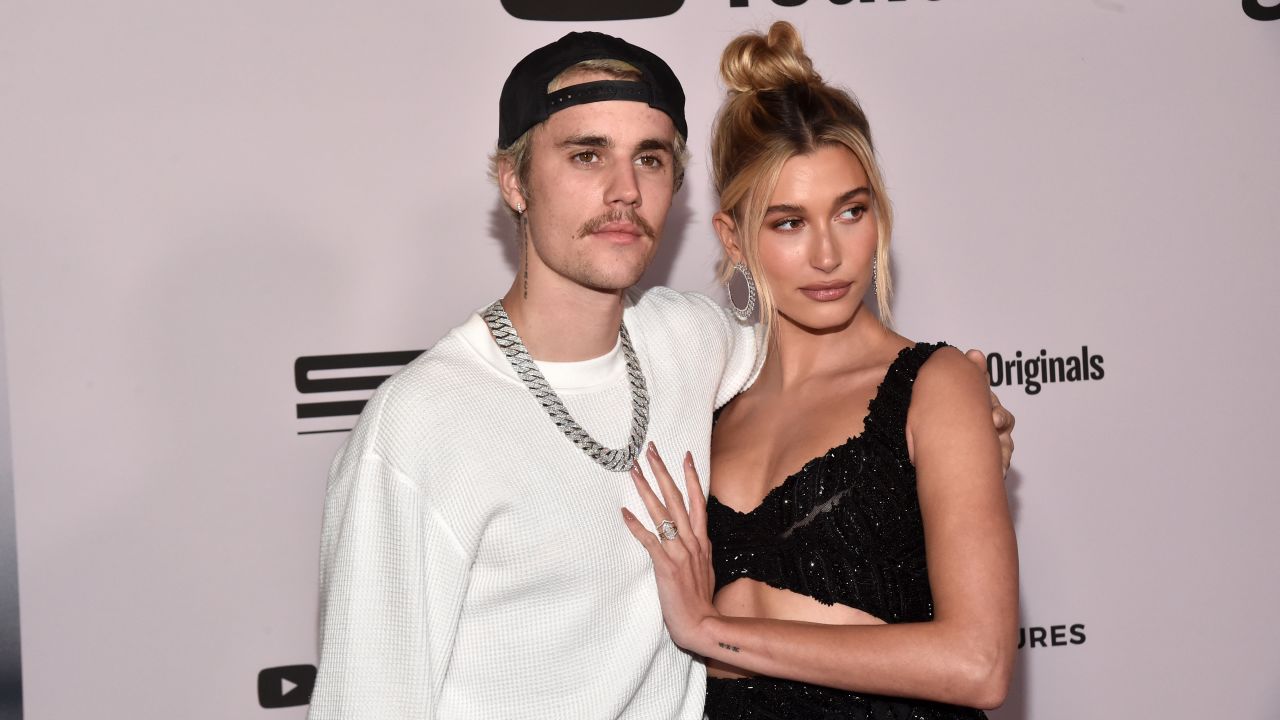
[(525, 283)]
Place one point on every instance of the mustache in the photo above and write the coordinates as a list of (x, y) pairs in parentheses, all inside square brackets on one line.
[(628, 216)]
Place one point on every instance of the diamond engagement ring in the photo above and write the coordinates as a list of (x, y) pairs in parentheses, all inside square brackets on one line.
[(667, 530)]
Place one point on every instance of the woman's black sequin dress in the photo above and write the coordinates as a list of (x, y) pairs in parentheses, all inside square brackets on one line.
[(844, 529)]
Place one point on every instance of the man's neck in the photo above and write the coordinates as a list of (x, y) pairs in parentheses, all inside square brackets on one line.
[(564, 324)]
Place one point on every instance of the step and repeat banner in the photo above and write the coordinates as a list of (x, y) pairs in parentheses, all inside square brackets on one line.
[(221, 223)]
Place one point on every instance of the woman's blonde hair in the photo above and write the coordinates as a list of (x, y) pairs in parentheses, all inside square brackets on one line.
[(779, 107)]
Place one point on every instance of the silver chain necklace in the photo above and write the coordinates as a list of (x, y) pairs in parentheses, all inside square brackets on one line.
[(617, 460)]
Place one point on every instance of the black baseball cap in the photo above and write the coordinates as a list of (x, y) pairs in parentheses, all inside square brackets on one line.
[(525, 101)]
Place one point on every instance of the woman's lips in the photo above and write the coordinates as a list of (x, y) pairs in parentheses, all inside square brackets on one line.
[(826, 292)]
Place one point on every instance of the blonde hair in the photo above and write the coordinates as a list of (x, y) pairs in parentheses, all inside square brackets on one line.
[(520, 152), (778, 107)]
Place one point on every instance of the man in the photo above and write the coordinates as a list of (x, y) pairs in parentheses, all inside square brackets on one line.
[(474, 561)]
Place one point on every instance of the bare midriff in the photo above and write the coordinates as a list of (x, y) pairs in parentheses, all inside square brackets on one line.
[(745, 597)]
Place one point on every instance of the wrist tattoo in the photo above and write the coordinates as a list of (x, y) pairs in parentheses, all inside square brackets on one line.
[(730, 648)]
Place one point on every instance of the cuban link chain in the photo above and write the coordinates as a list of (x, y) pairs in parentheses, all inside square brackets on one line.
[(616, 460)]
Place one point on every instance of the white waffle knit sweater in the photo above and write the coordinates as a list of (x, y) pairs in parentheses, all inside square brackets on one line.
[(474, 562)]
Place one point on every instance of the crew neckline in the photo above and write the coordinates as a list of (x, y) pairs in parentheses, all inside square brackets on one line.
[(578, 375)]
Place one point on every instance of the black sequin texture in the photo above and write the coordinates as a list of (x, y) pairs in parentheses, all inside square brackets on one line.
[(772, 699), (846, 528)]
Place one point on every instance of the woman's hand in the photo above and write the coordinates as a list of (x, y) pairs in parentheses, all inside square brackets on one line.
[(1000, 417), (682, 565)]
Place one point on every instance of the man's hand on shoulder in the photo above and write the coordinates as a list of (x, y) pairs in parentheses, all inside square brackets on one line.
[(1002, 418)]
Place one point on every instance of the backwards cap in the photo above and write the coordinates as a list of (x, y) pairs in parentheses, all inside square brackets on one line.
[(525, 101)]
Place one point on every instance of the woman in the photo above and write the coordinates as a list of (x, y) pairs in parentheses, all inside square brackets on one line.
[(853, 450)]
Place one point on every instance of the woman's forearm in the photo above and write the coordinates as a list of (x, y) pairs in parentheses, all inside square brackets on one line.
[(962, 665)]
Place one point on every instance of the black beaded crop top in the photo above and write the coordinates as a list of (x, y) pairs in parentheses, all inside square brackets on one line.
[(845, 528)]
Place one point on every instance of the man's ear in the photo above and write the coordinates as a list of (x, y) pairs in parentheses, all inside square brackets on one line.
[(509, 185), (727, 231)]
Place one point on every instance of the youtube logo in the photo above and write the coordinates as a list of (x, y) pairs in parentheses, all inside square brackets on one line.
[(589, 10), (286, 686)]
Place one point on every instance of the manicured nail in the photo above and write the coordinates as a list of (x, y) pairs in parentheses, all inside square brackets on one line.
[(688, 459), (653, 449)]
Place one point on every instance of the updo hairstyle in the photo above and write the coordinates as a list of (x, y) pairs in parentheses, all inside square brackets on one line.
[(779, 107)]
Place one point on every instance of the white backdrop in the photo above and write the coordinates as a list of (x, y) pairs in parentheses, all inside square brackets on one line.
[(193, 196)]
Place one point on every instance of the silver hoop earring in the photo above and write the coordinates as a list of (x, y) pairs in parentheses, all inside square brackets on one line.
[(744, 313)]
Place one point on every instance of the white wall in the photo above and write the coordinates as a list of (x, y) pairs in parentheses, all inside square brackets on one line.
[(193, 196)]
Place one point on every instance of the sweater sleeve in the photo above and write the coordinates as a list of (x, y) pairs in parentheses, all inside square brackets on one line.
[(739, 347), (393, 577)]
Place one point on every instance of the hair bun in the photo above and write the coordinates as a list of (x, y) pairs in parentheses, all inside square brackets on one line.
[(753, 62)]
